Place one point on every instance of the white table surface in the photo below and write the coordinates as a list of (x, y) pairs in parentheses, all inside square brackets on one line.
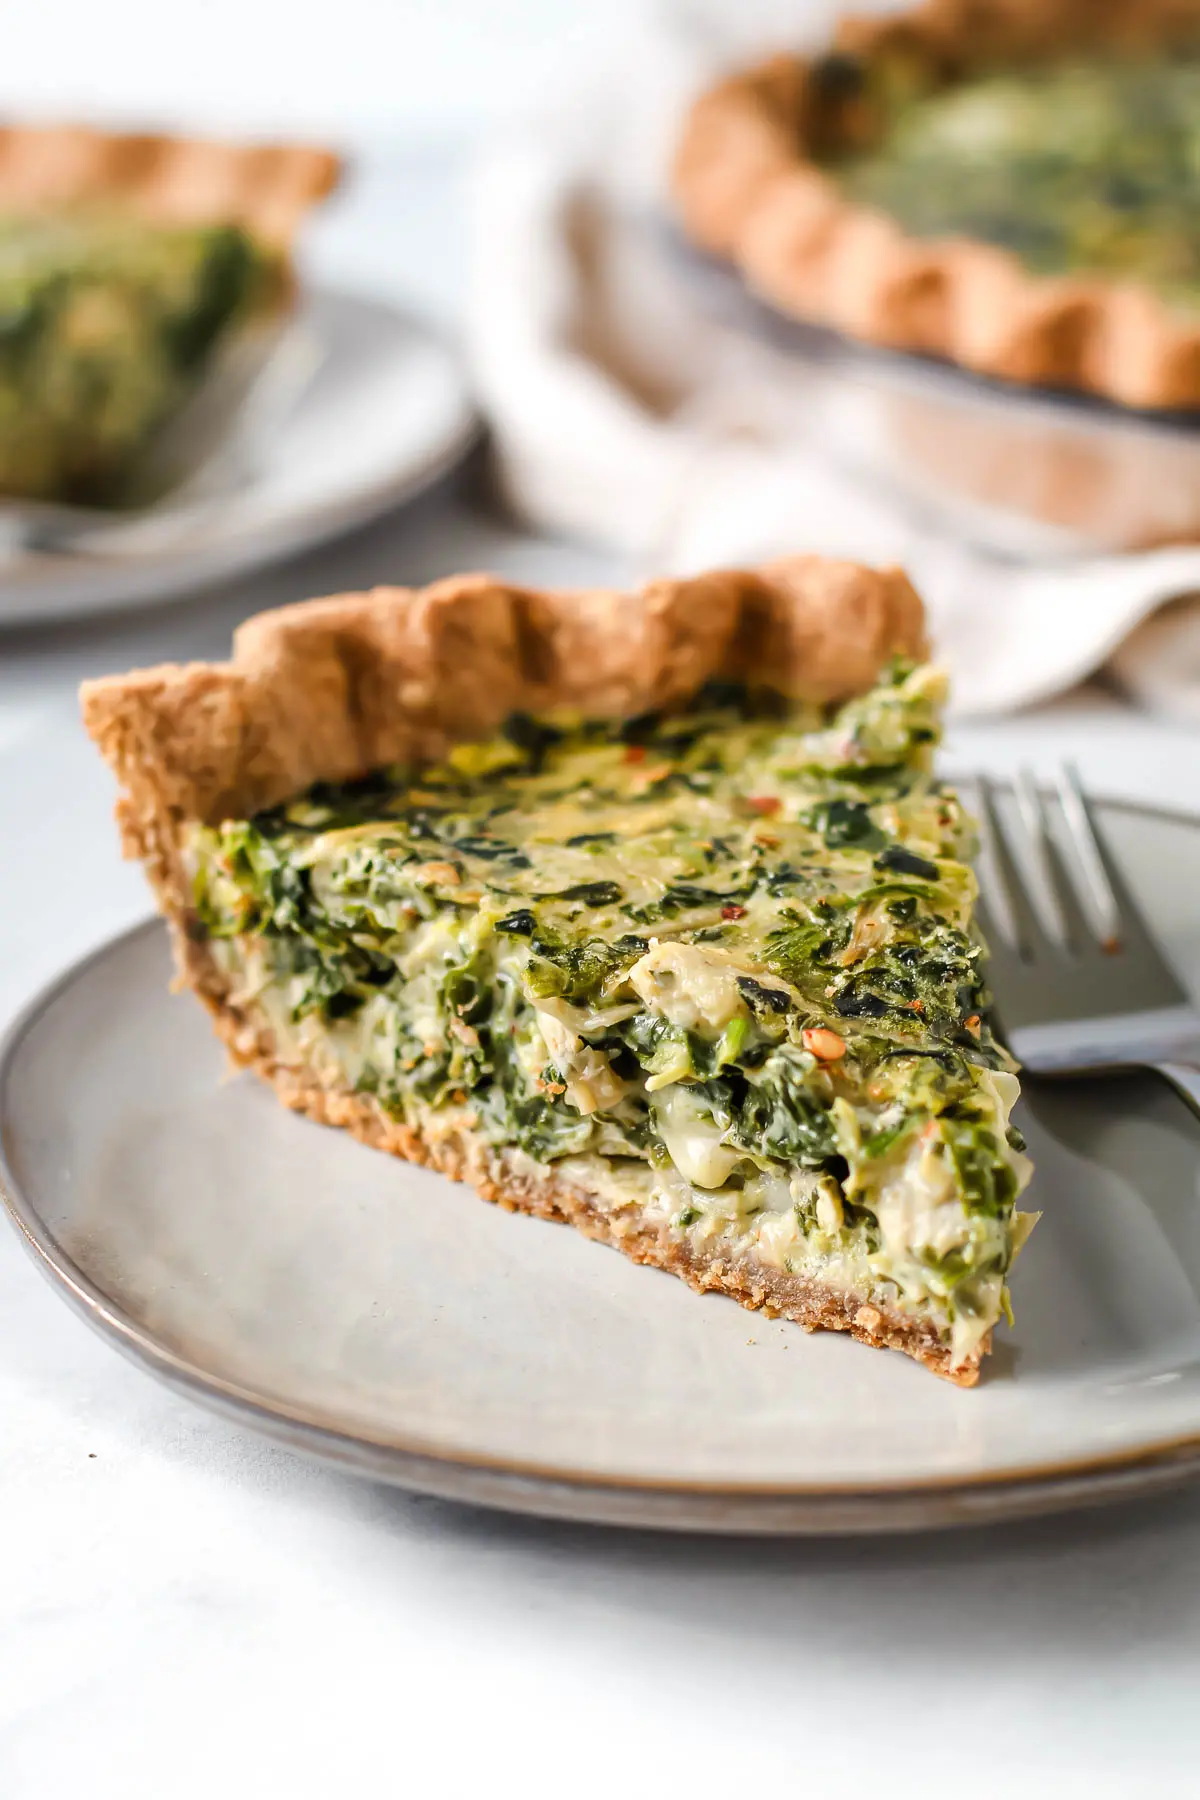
[(186, 1611)]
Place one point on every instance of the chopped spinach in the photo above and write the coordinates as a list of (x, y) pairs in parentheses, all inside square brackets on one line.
[(763, 1000), (847, 823), (521, 923), (899, 861)]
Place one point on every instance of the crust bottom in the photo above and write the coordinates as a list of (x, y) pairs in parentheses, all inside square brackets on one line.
[(636, 1234)]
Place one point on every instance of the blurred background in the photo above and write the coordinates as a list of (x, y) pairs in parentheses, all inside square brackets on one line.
[(365, 70), (506, 182)]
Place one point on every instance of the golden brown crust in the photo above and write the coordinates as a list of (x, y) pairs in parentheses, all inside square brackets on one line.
[(329, 689), (332, 688), (265, 187), (749, 188)]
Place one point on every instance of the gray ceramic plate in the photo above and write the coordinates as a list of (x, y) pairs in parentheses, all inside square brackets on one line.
[(379, 1316)]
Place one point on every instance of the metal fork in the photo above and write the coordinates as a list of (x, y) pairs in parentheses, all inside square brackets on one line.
[(1081, 986)]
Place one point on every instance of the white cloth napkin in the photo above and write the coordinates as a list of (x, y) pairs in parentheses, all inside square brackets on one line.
[(626, 413)]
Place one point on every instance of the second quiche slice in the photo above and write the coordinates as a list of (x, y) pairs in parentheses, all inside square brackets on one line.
[(643, 911), (130, 265)]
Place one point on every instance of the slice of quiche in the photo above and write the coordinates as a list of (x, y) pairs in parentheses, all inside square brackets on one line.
[(129, 265), (646, 912), (111, 324)]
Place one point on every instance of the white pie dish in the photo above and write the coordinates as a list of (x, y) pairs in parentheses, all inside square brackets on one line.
[(1020, 471)]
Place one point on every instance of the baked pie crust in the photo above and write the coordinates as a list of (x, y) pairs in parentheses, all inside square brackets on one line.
[(750, 188), (265, 188)]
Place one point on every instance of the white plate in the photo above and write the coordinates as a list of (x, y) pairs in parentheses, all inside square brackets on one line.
[(379, 1315), (386, 414)]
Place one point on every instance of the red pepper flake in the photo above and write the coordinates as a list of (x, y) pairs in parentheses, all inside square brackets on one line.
[(766, 804), (767, 839), (733, 912), (634, 753), (917, 1006)]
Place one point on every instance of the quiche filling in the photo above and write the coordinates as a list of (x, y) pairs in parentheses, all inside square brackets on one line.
[(1078, 167), (711, 965), (107, 325)]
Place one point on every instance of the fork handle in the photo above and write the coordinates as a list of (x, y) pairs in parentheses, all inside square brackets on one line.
[(1185, 1079)]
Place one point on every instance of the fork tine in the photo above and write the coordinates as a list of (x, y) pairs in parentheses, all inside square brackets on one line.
[(1129, 930), (1079, 935), (1037, 830), (994, 940), (1027, 935), (1094, 860), (993, 909), (1140, 951)]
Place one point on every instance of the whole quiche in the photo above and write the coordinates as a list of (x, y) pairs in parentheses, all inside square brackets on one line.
[(1013, 185)]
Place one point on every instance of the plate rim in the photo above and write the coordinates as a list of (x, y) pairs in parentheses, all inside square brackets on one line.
[(167, 578), (588, 1496)]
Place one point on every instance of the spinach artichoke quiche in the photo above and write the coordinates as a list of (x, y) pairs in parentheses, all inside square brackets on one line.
[(1012, 184), (126, 266), (642, 911)]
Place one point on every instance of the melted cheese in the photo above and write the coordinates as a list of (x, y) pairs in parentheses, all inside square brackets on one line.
[(693, 1139), (692, 985), (591, 1084)]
